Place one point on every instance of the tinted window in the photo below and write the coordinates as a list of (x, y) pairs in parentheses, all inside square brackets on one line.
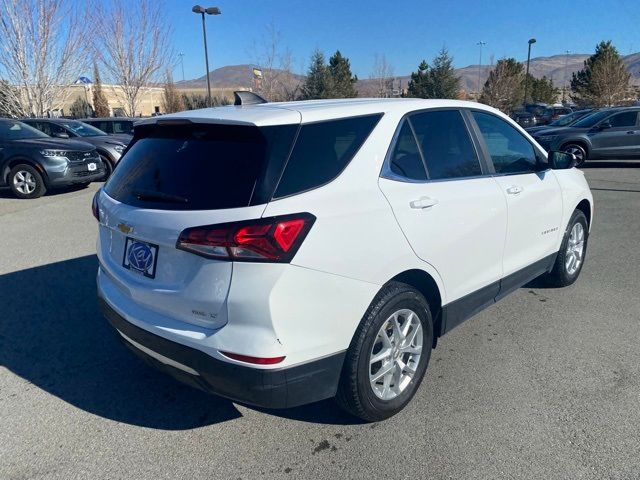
[(591, 119), (122, 127), (83, 129), (510, 151), (445, 143), (625, 119), (405, 159), (201, 167), (322, 151), (14, 130)]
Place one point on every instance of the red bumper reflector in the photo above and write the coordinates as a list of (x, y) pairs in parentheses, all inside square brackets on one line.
[(254, 360)]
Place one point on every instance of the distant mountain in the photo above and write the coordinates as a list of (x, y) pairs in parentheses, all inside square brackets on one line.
[(240, 76)]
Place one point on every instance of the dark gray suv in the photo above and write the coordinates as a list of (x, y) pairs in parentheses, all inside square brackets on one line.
[(609, 133), (110, 147)]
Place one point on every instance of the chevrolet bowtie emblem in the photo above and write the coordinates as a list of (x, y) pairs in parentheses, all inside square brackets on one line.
[(124, 228)]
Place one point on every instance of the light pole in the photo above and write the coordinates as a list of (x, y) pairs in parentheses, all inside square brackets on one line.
[(526, 78), (566, 60), (208, 11), (481, 44), (181, 55)]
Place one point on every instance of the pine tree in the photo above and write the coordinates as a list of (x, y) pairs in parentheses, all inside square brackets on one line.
[(444, 81), (420, 83), (505, 86), (80, 108), (543, 90), (100, 103), (319, 82), (171, 99), (342, 79), (604, 80)]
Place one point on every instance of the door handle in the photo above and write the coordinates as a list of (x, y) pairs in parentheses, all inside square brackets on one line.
[(514, 190), (423, 202), (631, 132)]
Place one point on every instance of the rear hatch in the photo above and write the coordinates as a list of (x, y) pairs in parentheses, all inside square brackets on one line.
[(178, 176)]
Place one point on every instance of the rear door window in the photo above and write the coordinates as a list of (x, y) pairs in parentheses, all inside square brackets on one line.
[(446, 145), (121, 127), (201, 167), (405, 160), (322, 151)]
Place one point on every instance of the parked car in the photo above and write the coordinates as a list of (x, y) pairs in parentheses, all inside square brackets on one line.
[(608, 133), (32, 163), (525, 119), (110, 147), (112, 125), (564, 121), (281, 254), (552, 113)]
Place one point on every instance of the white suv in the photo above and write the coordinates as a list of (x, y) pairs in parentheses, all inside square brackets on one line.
[(280, 254)]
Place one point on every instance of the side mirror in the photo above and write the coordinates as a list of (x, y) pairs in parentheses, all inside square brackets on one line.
[(61, 135), (562, 160), (604, 125)]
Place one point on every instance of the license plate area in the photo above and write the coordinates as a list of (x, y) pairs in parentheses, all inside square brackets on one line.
[(140, 257)]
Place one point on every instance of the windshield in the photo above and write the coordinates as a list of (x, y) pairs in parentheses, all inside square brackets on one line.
[(83, 129), (590, 120), (14, 130), (568, 119)]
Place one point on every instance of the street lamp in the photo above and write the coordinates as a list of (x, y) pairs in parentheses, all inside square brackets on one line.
[(181, 55), (481, 44), (208, 11), (526, 78), (564, 87)]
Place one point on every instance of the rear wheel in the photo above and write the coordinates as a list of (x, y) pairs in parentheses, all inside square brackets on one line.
[(572, 252), (26, 182), (388, 355), (577, 150)]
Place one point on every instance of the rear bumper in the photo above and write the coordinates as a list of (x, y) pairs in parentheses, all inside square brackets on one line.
[(273, 388)]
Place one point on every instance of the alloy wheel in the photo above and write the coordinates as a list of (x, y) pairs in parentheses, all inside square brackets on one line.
[(24, 182), (575, 249), (395, 354)]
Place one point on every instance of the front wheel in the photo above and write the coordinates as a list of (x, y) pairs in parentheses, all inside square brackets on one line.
[(388, 355), (572, 252), (26, 182), (108, 167), (577, 150)]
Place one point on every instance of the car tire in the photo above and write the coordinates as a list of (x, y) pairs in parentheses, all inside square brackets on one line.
[(571, 256), (361, 391), (577, 150), (108, 167), (26, 182)]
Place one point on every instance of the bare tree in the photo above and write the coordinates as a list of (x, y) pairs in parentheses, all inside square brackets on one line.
[(382, 74), (132, 43), (43, 50), (278, 82)]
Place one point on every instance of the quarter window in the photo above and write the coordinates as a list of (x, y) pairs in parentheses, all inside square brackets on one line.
[(510, 151), (322, 151), (445, 143), (405, 159)]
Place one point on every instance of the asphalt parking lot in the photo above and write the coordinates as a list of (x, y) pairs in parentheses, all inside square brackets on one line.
[(545, 384)]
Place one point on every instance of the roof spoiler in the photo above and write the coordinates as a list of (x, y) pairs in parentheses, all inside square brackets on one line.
[(243, 97)]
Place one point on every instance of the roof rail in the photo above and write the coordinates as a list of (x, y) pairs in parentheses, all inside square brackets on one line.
[(243, 97)]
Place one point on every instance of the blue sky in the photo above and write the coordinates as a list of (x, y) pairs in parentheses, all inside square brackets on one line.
[(405, 31)]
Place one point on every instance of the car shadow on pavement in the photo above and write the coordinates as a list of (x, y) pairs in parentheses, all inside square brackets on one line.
[(611, 164), (5, 192), (53, 335)]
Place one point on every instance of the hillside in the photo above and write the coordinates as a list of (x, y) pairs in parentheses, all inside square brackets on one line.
[(240, 76)]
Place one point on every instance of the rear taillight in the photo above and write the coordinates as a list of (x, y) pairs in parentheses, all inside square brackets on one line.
[(94, 206), (274, 239)]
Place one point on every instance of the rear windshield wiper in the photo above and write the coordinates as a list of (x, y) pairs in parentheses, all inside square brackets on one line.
[(151, 196)]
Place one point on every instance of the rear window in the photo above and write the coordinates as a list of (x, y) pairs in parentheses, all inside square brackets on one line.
[(201, 166), (322, 151)]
